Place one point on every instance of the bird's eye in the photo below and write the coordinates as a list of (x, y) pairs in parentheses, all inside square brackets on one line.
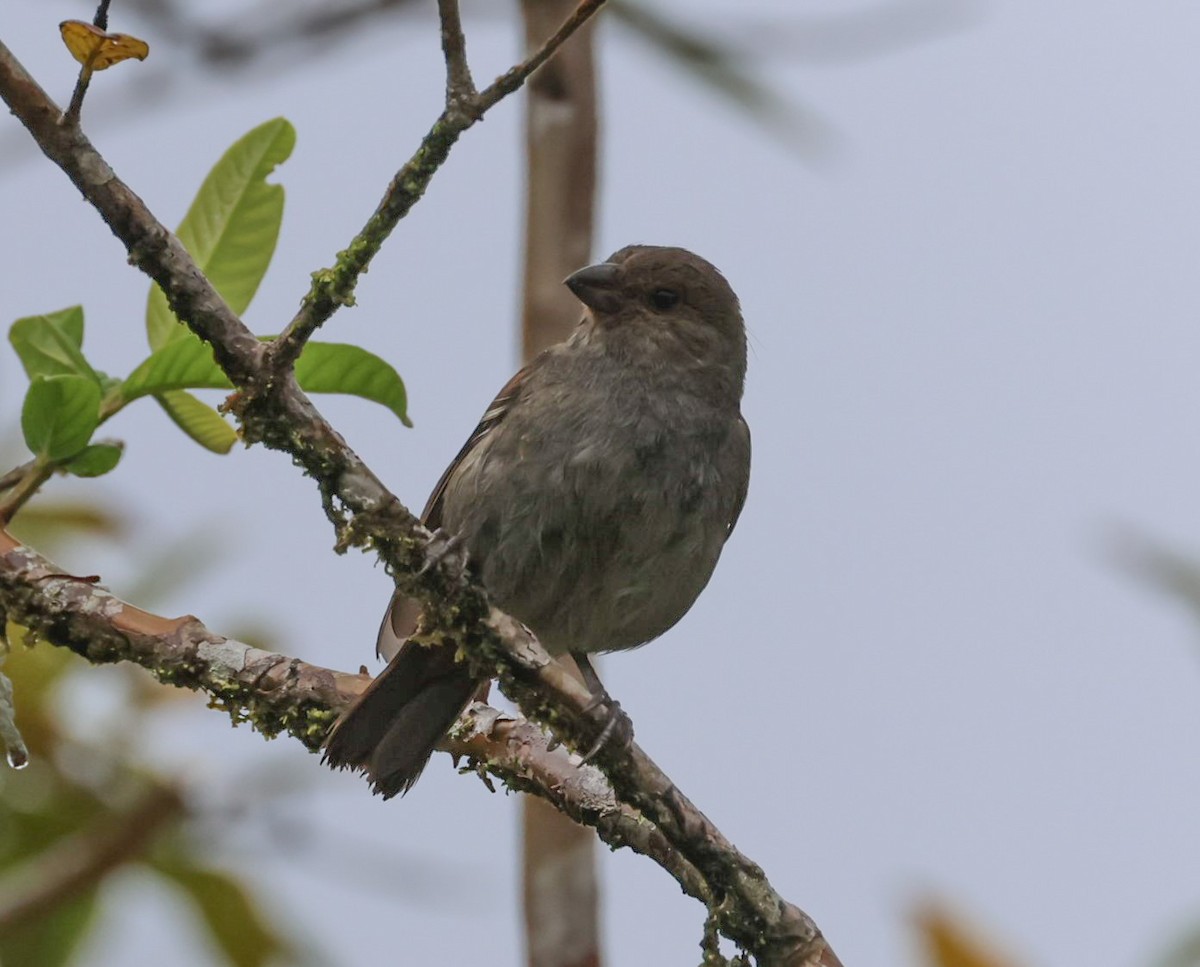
[(664, 298)]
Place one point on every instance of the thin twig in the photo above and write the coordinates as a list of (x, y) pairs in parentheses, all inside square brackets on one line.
[(16, 474), (70, 116), (459, 85), (35, 473), (274, 411), (513, 78), (334, 287), (101, 18)]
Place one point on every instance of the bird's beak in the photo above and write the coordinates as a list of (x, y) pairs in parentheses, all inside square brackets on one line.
[(596, 286)]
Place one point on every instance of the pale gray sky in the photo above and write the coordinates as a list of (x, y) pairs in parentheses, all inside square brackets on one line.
[(917, 671)]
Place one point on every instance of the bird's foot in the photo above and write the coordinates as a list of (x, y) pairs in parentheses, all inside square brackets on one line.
[(445, 549), (618, 728)]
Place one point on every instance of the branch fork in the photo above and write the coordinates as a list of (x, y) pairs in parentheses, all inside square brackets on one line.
[(281, 694)]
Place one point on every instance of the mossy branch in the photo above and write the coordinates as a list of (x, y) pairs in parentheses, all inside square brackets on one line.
[(282, 694)]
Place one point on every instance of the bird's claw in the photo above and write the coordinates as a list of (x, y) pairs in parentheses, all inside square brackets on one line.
[(443, 547), (618, 725)]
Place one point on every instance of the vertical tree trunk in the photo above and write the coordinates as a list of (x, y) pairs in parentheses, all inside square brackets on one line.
[(561, 894), (560, 138)]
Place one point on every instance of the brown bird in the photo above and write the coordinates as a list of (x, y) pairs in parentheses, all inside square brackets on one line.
[(593, 499)]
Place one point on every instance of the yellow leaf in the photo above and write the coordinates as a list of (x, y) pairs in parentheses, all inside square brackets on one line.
[(98, 49), (950, 943)]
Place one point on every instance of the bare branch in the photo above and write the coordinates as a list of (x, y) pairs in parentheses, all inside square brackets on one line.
[(277, 694), (70, 117), (517, 751), (513, 78), (334, 287), (280, 694), (101, 17), (459, 85), (274, 411)]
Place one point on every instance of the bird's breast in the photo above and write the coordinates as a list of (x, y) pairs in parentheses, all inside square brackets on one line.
[(599, 526)]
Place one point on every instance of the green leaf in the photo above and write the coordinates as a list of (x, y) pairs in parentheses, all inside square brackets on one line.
[(198, 420), (50, 344), (95, 460), (60, 414), (322, 368), (330, 367), (107, 383), (185, 363), (234, 922), (52, 940), (233, 224)]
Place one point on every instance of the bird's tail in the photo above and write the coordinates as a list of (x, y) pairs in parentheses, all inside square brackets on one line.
[(391, 729)]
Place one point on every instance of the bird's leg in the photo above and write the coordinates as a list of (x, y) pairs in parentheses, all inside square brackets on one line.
[(618, 722)]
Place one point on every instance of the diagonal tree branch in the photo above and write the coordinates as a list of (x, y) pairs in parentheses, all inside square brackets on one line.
[(277, 694), (334, 287), (275, 412)]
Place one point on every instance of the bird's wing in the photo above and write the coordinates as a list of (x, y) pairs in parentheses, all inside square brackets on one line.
[(403, 613), (741, 440), (431, 516)]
